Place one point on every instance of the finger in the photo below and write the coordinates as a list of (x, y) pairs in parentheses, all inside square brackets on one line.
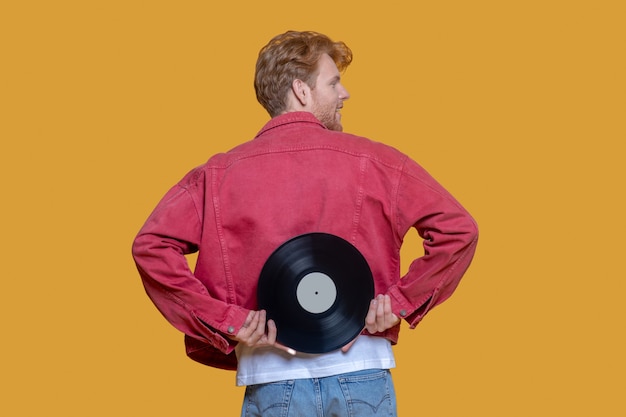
[(390, 318), (370, 319), (271, 332), (247, 327), (271, 338), (284, 348), (259, 330), (380, 314), (347, 347), (249, 319), (247, 334), (387, 305), (393, 319)]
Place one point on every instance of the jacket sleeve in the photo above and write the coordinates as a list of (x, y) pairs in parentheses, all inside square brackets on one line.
[(449, 236), (173, 230)]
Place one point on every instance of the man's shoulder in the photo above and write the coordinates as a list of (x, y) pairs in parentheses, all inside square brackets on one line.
[(316, 139), (376, 150)]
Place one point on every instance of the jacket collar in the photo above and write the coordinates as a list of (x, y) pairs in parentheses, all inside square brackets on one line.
[(289, 118)]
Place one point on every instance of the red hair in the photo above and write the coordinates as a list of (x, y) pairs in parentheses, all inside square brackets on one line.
[(290, 56)]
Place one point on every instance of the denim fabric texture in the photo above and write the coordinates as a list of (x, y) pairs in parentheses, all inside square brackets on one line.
[(296, 177), (356, 394)]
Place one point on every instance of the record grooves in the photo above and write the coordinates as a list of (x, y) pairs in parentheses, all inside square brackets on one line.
[(317, 288)]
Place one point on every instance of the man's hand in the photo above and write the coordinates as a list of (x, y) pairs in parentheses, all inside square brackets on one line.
[(253, 333), (379, 317)]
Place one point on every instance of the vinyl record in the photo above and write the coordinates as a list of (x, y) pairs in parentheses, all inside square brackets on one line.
[(317, 288)]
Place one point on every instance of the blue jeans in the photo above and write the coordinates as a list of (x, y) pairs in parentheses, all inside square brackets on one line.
[(356, 394)]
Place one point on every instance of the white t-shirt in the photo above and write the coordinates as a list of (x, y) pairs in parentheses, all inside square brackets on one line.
[(263, 365)]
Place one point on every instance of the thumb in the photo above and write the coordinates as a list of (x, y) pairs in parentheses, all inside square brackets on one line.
[(347, 347)]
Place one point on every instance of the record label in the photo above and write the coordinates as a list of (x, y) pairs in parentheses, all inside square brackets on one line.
[(316, 292)]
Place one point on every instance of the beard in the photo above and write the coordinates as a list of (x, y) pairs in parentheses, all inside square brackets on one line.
[(329, 116)]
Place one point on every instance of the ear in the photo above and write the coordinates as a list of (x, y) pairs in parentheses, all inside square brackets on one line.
[(301, 91)]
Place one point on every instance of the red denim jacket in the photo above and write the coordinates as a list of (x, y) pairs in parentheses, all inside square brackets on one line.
[(296, 177)]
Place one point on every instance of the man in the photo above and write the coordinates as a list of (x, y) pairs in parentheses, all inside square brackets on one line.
[(300, 175)]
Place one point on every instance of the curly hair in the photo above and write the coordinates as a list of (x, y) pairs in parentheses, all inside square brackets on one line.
[(290, 56)]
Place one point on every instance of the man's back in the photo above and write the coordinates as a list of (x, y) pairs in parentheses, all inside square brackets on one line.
[(298, 177)]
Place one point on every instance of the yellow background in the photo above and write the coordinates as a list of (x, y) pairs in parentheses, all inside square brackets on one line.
[(517, 107)]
